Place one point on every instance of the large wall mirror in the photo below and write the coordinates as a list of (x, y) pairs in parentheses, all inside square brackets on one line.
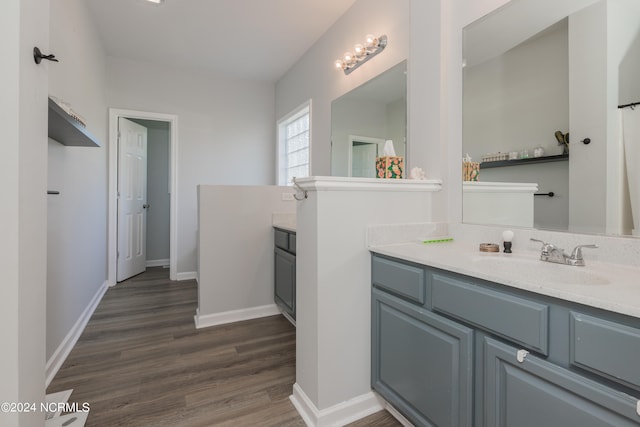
[(364, 118), (537, 70)]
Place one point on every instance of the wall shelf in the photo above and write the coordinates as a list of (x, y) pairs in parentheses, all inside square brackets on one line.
[(66, 130), (530, 160)]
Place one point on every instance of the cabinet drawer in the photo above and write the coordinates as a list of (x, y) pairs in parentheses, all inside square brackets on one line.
[(281, 239), (403, 280), (535, 392), (292, 243), (517, 319), (605, 348)]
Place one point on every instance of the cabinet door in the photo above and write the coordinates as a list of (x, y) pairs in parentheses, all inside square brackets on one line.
[(285, 281), (421, 362), (535, 393)]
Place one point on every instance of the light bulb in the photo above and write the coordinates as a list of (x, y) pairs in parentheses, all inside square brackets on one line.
[(339, 64), (359, 50), (371, 41), (348, 58), (507, 235)]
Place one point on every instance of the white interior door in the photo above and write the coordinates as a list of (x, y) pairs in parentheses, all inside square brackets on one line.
[(364, 160), (132, 199)]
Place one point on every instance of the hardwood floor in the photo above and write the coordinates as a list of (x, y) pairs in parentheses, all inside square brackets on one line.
[(141, 362)]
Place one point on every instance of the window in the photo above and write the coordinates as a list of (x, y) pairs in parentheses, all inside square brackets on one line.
[(294, 143)]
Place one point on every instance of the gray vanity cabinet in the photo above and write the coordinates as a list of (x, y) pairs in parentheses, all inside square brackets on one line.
[(452, 350), (285, 271), (534, 392), (421, 362)]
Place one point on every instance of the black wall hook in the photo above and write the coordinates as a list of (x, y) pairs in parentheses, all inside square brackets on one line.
[(586, 141), (38, 56)]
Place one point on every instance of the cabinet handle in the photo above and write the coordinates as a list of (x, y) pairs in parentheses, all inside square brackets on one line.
[(522, 354)]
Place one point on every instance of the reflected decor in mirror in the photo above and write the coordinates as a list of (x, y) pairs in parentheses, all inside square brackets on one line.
[(542, 83), (364, 118)]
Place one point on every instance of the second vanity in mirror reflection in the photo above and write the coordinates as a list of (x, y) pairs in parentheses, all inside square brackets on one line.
[(562, 69), (363, 119)]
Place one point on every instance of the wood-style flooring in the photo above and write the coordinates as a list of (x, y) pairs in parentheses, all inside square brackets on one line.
[(141, 362)]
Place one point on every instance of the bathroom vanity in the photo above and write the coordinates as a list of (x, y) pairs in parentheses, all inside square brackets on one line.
[(285, 271), (451, 349)]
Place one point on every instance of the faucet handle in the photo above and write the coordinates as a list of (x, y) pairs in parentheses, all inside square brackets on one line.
[(576, 254), (546, 249), (545, 246)]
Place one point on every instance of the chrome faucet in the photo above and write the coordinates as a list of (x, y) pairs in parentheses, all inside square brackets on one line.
[(551, 253)]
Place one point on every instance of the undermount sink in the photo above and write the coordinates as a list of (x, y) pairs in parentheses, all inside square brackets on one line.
[(535, 269)]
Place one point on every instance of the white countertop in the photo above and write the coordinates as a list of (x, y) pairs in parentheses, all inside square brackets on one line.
[(285, 226), (284, 220), (603, 285)]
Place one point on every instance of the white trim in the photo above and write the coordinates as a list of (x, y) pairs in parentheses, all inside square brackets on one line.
[(157, 262), (499, 187), (336, 183), (336, 415), (112, 236), (367, 139), (187, 275), (204, 321), (62, 352)]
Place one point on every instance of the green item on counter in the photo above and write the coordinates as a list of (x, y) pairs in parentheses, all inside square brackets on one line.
[(438, 240)]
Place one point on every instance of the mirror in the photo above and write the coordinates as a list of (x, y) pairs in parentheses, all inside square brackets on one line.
[(364, 118), (535, 71)]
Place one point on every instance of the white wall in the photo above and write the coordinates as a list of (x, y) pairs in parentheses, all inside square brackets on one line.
[(235, 247), (334, 286), (23, 168), (588, 118), (315, 77), (226, 132), (77, 218), (551, 213), (626, 15), (396, 120)]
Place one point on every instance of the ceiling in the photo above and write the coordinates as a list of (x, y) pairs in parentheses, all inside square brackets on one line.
[(254, 39)]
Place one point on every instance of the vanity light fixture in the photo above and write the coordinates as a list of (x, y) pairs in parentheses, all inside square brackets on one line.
[(361, 53)]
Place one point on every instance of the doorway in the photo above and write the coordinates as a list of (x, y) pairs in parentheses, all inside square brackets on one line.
[(363, 151), (154, 122)]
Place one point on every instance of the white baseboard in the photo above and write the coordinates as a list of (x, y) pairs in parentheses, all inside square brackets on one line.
[(204, 321), (65, 347), (188, 275), (158, 262), (336, 415)]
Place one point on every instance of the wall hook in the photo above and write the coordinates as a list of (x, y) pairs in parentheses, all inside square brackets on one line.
[(305, 195), (38, 56), (586, 141)]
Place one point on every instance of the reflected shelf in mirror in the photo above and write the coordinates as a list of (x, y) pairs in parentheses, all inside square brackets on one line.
[(530, 160)]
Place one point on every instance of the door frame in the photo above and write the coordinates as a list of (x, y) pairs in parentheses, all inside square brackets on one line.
[(366, 139), (112, 234)]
